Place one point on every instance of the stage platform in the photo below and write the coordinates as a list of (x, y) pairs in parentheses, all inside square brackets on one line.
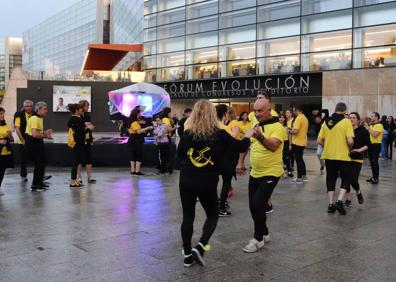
[(108, 150)]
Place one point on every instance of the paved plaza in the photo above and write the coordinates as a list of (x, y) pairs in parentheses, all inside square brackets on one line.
[(126, 228)]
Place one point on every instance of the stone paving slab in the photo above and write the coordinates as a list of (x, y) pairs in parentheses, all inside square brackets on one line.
[(126, 228)]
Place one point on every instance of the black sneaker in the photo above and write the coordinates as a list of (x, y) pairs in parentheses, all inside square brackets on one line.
[(290, 174), (339, 205), (348, 204), (369, 180), (91, 181), (360, 197), (269, 208), (224, 212), (322, 168), (199, 252), (331, 208), (35, 188), (139, 173), (189, 260), (374, 181), (46, 177)]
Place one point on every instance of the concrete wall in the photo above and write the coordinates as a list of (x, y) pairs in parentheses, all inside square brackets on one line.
[(363, 91)]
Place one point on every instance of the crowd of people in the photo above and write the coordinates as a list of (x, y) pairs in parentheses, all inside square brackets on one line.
[(215, 142)]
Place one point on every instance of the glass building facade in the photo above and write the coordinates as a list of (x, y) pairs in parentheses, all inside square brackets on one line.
[(58, 45), (201, 39)]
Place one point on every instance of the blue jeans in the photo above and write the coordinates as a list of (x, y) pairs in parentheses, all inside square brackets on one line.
[(384, 145)]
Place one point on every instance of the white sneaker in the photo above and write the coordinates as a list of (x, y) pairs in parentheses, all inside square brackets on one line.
[(253, 246), (305, 179), (297, 181), (267, 238)]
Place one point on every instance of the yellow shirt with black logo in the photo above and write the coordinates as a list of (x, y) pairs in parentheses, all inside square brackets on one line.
[(263, 161), (4, 129), (301, 138), (244, 126), (335, 140), (134, 127), (253, 119), (379, 128), (35, 122), (17, 123)]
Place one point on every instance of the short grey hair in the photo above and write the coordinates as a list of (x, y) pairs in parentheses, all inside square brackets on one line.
[(341, 107), (40, 105), (28, 102)]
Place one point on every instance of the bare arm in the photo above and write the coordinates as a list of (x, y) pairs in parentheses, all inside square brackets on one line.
[(19, 134)]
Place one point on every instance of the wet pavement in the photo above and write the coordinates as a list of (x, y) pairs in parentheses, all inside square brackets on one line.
[(126, 228)]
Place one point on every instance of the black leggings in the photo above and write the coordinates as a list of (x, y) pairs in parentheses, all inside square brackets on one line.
[(225, 188), (374, 151), (335, 168), (205, 189), (79, 156), (2, 172), (23, 156), (286, 156), (298, 152), (260, 190), (355, 169)]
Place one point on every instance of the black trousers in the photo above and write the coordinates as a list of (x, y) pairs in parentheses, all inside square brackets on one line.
[(286, 156), (298, 152), (23, 155), (205, 189), (225, 188), (163, 156), (390, 146), (374, 151), (36, 152), (260, 190), (2, 173), (79, 157), (355, 169), (335, 168)]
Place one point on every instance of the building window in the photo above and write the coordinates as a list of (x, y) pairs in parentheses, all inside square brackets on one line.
[(175, 73), (276, 29), (335, 60), (237, 52), (277, 65), (202, 56), (327, 41), (375, 57), (202, 40), (326, 22), (172, 30), (370, 2), (264, 2), (150, 7), (375, 15), (202, 71), (232, 5), (150, 48), (171, 59), (235, 35), (320, 6), (238, 18), (150, 21), (150, 62), (238, 68), (375, 36), (169, 4), (278, 11), (171, 16), (170, 45), (151, 75), (150, 34), (276, 47), (202, 9), (202, 25)]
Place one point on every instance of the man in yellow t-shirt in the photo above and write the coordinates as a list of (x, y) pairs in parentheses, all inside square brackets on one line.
[(267, 168), (20, 121), (299, 134), (336, 137), (376, 130), (34, 142)]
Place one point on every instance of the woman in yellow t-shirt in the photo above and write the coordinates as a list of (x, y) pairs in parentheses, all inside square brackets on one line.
[(286, 151), (136, 140), (244, 123), (5, 147)]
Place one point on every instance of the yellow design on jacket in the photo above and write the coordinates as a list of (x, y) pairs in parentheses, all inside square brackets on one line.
[(200, 160)]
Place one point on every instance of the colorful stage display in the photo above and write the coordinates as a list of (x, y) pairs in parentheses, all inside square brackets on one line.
[(152, 98)]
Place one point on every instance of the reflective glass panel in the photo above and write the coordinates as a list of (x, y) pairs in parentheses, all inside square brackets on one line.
[(327, 41)]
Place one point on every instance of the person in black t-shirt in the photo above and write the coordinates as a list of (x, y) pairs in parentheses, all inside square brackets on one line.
[(360, 145), (86, 116), (201, 151)]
